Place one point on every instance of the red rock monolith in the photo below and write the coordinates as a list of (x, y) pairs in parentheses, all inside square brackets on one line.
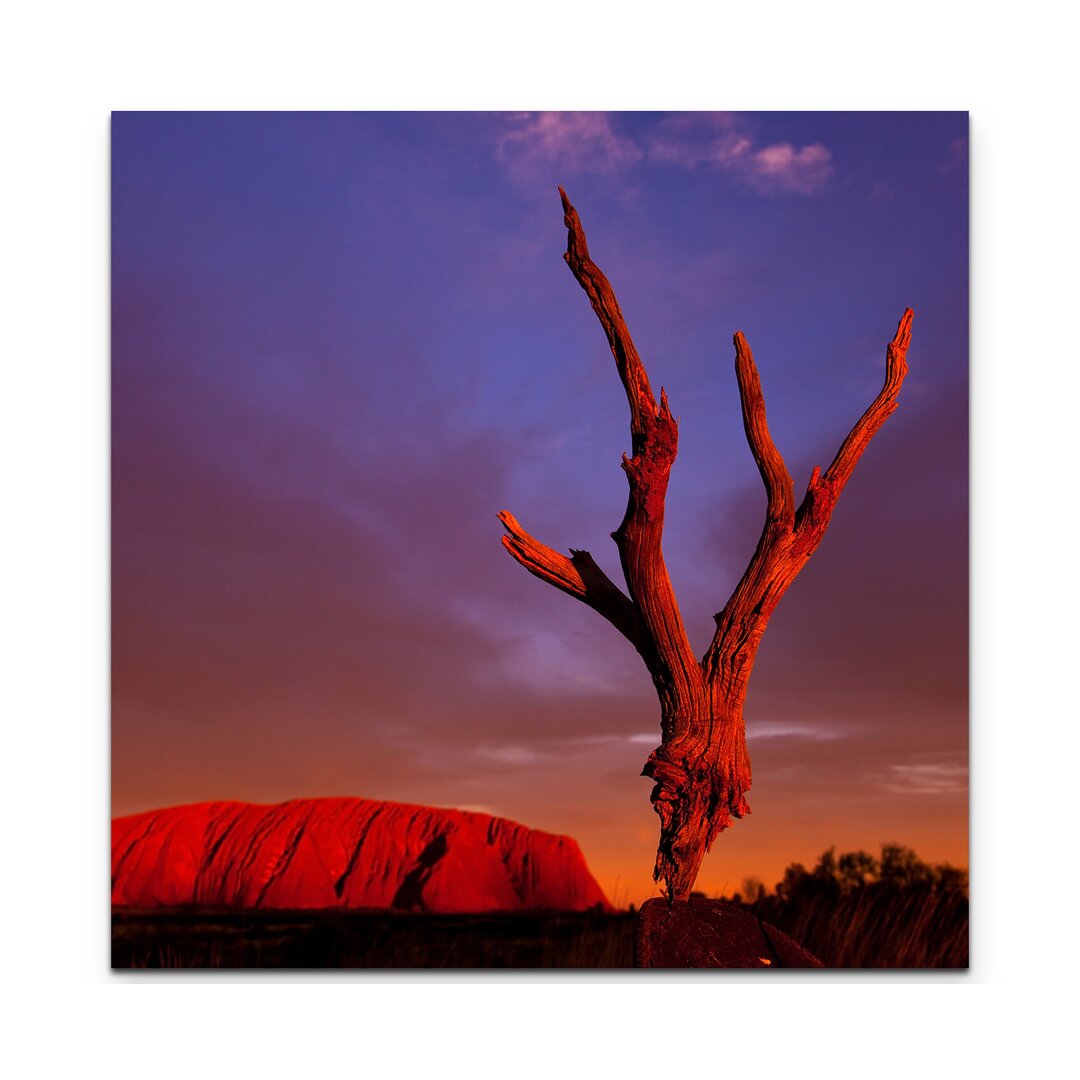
[(344, 853)]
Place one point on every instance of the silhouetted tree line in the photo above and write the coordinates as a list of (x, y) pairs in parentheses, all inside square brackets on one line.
[(855, 910)]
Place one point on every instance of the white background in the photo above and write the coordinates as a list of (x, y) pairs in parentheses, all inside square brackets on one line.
[(65, 66)]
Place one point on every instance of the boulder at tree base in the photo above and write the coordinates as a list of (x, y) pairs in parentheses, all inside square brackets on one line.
[(344, 853), (704, 933)]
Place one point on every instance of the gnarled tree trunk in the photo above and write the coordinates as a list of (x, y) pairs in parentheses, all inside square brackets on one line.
[(701, 768)]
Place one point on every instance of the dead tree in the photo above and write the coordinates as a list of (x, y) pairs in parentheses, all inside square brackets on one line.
[(701, 768)]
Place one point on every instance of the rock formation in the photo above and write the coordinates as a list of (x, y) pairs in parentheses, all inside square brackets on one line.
[(703, 933), (344, 853)]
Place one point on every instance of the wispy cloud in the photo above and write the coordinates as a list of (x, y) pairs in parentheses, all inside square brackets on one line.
[(770, 729), (786, 729), (576, 141), (718, 141), (549, 661), (927, 778), (548, 748), (592, 142), (510, 755), (782, 167)]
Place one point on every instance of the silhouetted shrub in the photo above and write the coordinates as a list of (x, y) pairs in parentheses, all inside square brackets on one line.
[(858, 911)]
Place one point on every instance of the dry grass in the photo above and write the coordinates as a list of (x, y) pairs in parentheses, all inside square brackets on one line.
[(338, 939), (876, 927), (857, 911)]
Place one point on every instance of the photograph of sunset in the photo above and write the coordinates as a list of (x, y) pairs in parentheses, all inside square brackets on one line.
[(374, 374)]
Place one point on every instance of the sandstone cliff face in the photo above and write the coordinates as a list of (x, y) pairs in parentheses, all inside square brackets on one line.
[(350, 853)]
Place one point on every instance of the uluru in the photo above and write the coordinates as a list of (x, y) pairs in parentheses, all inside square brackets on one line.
[(347, 853)]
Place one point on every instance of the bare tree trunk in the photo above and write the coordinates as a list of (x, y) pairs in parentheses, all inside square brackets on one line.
[(701, 768)]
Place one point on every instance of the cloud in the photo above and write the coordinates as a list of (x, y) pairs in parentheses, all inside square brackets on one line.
[(927, 778), (510, 755), (769, 729), (783, 729), (575, 141), (781, 167), (772, 729), (556, 659), (589, 142), (717, 141)]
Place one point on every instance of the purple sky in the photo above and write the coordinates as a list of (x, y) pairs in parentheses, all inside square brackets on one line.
[(342, 343)]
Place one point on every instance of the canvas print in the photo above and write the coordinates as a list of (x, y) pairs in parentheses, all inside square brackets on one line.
[(539, 540)]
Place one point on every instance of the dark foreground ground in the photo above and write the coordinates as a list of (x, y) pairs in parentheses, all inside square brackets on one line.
[(340, 939), (873, 931)]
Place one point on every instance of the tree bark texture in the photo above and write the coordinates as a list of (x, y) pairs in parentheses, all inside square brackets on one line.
[(701, 769)]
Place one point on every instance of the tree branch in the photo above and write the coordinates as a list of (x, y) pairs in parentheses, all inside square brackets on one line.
[(822, 492), (580, 577), (655, 439), (788, 539), (740, 624), (770, 462), (589, 276)]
